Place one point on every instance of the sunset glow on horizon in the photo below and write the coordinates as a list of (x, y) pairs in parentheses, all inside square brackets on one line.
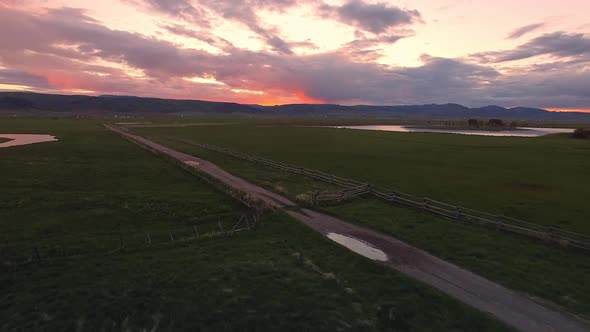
[(375, 52), (580, 110)]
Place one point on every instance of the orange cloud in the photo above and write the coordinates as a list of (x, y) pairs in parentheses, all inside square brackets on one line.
[(60, 80), (270, 99), (581, 110), (308, 100)]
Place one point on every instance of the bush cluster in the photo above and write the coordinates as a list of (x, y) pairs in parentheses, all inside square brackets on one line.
[(582, 133)]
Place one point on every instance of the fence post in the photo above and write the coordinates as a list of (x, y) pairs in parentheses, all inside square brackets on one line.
[(550, 233), (148, 240), (393, 196), (196, 231), (171, 237), (247, 222), (220, 227), (314, 198), (499, 225), (425, 203)]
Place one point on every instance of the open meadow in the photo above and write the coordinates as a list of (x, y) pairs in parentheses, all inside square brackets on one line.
[(77, 217), (540, 180), (282, 165)]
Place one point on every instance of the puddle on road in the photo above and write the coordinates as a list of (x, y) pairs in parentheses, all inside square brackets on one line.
[(192, 163), (358, 246), (25, 139)]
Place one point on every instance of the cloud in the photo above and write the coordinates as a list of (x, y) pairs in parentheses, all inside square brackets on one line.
[(369, 49), (367, 18), (375, 18), (558, 45), (51, 52), (182, 9), (244, 11), (203, 12), (517, 33), (202, 35), (19, 77)]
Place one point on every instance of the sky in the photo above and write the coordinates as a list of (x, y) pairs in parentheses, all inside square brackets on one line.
[(533, 53)]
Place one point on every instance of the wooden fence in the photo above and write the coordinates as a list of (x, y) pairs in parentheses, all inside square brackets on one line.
[(54, 248), (340, 195), (354, 188)]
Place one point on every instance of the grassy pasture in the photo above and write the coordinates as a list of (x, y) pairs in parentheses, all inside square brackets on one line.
[(282, 276), (543, 180), (542, 271), (91, 181)]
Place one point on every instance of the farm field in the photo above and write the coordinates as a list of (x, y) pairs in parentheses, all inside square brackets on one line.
[(542, 180), (545, 272), (279, 276)]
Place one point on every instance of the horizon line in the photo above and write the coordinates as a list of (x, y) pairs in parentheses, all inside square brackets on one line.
[(106, 95)]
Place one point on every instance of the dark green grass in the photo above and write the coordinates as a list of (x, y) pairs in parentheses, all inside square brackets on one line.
[(542, 180), (92, 181), (254, 281), (543, 271)]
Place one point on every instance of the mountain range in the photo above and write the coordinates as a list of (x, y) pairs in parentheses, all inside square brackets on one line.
[(26, 103)]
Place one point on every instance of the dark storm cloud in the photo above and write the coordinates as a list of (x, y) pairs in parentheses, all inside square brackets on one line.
[(517, 33), (63, 52), (375, 18), (558, 44)]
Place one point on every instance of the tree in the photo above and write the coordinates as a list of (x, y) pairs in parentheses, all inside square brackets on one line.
[(581, 133), (496, 123)]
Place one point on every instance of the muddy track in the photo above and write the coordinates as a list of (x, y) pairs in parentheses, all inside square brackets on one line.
[(510, 307)]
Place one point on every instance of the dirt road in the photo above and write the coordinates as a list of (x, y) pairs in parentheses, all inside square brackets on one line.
[(509, 307)]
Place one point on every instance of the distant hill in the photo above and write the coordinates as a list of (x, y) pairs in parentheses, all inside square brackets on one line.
[(79, 105), (40, 104)]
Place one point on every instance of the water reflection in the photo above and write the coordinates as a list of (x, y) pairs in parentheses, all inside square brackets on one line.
[(25, 139), (521, 132), (358, 246)]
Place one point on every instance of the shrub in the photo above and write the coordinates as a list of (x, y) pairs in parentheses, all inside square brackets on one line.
[(582, 133), (305, 198)]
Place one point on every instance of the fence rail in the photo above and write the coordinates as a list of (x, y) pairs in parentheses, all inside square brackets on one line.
[(354, 188), (282, 166), (107, 243), (341, 195)]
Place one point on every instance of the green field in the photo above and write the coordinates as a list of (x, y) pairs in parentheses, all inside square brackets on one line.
[(541, 180), (91, 187)]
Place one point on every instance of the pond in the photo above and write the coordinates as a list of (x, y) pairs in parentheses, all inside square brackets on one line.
[(25, 139), (520, 132)]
